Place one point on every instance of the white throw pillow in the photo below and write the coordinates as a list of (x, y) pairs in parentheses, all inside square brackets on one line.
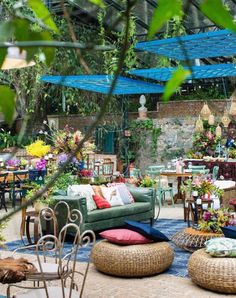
[(112, 195), (221, 247), (84, 190)]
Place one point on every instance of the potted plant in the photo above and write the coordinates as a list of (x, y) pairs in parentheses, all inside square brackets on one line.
[(41, 202), (62, 182), (147, 181)]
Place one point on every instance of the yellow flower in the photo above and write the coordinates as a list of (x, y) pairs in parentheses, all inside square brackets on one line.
[(38, 149)]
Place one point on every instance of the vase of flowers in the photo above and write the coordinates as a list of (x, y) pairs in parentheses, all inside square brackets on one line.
[(85, 176), (213, 220)]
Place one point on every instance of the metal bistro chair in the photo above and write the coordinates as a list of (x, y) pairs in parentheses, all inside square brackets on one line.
[(63, 270), (55, 243), (16, 185), (215, 172), (162, 186), (108, 169), (3, 187), (135, 173)]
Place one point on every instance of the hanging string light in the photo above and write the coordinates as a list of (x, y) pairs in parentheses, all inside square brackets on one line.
[(205, 112)]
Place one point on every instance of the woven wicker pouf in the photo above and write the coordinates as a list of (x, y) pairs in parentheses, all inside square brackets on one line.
[(132, 260), (216, 274)]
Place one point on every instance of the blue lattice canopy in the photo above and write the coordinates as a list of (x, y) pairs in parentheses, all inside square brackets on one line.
[(202, 45), (102, 84), (198, 72)]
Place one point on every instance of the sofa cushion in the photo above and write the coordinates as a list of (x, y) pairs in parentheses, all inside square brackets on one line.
[(221, 247), (124, 192), (100, 202), (84, 190), (124, 236), (119, 211), (112, 195), (146, 230)]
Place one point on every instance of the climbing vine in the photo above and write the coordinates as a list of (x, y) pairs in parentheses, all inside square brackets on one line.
[(139, 130)]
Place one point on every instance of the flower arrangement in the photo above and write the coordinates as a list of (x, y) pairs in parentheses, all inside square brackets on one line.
[(147, 181), (38, 149), (67, 140), (86, 173), (202, 186), (13, 162), (213, 220), (41, 164)]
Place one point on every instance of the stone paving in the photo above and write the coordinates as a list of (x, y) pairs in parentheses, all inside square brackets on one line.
[(103, 286)]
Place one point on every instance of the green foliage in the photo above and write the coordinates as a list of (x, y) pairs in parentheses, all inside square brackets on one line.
[(7, 103), (147, 182), (99, 3), (140, 130), (8, 140), (42, 13), (175, 81), (218, 13), (63, 181), (166, 10)]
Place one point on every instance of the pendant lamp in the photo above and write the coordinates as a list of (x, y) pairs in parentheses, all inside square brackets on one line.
[(218, 131), (211, 119), (15, 59), (205, 112), (199, 125), (225, 119)]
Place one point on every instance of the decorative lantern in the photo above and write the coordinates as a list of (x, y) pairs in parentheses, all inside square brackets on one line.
[(232, 110), (205, 112), (218, 131), (211, 119), (199, 125), (225, 119)]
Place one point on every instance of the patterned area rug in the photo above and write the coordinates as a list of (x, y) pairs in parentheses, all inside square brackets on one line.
[(167, 226)]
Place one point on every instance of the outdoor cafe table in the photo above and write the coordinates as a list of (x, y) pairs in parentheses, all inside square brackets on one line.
[(179, 177)]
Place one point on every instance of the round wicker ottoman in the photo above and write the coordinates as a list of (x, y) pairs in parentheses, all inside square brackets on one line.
[(216, 274), (132, 260), (191, 240)]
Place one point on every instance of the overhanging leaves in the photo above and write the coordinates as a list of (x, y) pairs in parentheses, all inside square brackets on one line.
[(7, 103), (99, 3), (166, 10), (3, 53), (217, 13), (42, 13), (175, 81)]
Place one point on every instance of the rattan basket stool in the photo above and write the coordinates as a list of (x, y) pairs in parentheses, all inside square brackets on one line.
[(216, 274), (132, 260)]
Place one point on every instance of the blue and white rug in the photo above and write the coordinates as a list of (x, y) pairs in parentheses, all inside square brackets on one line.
[(167, 226)]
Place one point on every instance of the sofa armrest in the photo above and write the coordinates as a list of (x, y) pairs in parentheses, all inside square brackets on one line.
[(74, 203), (143, 194)]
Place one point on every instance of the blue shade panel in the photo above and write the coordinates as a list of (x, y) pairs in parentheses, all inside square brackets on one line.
[(198, 72), (202, 45), (102, 83)]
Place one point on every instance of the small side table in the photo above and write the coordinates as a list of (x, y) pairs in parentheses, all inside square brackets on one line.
[(30, 217)]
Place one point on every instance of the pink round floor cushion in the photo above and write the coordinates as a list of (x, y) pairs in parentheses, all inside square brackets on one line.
[(124, 236)]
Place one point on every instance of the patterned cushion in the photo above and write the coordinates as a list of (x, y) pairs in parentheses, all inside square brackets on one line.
[(221, 247), (84, 190), (112, 196), (125, 194), (124, 236)]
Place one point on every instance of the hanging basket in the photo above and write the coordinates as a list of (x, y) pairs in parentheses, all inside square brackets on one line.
[(205, 112)]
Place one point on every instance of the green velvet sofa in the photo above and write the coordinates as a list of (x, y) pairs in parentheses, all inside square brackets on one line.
[(101, 219)]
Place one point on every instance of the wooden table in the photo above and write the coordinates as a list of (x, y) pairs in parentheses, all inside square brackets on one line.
[(179, 176)]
